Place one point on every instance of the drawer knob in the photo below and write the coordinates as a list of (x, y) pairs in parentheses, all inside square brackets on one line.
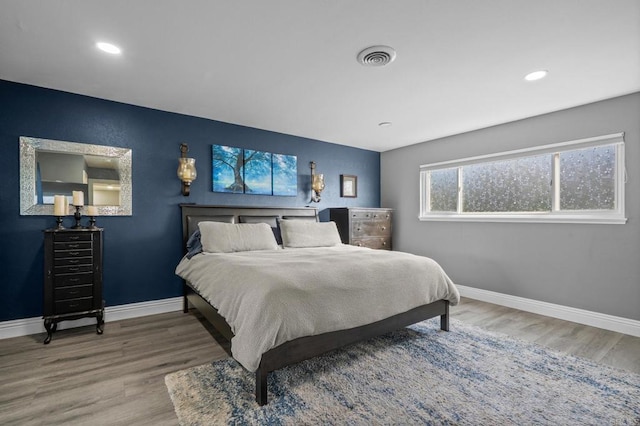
[(384, 243), (74, 237), (74, 245), (359, 244), (74, 253), (74, 261), (74, 280), (384, 227)]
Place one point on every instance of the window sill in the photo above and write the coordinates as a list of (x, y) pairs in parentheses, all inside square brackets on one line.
[(596, 219)]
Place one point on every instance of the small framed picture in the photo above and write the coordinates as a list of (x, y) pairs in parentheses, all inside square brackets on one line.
[(348, 186)]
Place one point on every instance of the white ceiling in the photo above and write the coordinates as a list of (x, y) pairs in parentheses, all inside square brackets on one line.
[(290, 65)]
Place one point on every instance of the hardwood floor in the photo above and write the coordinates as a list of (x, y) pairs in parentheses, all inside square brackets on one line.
[(602, 346), (113, 379), (118, 378)]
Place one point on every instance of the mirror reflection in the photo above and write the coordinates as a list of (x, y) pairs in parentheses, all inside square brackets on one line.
[(49, 168)]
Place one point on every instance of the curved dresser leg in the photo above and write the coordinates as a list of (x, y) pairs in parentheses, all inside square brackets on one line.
[(100, 321), (50, 326)]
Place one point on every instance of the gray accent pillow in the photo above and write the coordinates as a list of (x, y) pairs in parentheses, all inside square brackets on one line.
[(305, 233), (218, 237)]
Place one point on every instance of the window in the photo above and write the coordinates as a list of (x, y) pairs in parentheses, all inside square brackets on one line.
[(571, 182)]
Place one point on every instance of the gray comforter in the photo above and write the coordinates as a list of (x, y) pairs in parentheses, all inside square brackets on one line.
[(270, 297)]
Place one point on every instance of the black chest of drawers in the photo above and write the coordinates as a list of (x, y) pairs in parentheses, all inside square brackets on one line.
[(364, 227), (72, 277)]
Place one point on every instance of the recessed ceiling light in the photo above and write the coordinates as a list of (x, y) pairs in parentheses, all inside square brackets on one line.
[(536, 75), (385, 124), (108, 47)]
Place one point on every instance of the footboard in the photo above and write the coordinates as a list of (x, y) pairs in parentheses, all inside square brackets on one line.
[(308, 347)]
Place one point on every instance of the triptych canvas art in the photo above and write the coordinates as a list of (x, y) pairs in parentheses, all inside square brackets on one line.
[(247, 171)]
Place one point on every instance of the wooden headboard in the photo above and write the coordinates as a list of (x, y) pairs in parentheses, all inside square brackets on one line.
[(192, 214)]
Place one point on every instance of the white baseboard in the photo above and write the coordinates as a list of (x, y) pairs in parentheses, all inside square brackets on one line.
[(567, 313), (26, 326)]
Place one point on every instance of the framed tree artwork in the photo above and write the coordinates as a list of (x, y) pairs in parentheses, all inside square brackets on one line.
[(246, 171)]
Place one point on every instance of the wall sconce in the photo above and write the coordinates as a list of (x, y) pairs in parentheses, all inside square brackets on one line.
[(317, 184), (186, 169)]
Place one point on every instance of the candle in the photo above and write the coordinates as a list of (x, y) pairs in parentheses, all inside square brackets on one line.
[(59, 205), (78, 198), (92, 211)]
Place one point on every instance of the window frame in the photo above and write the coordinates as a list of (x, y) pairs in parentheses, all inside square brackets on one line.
[(614, 216)]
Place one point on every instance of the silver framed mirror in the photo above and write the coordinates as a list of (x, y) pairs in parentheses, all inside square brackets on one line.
[(50, 167)]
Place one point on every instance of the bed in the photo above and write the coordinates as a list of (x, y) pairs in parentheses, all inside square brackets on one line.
[(265, 339)]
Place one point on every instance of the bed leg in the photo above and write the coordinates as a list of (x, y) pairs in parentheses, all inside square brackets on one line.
[(444, 318), (185, 301), (261, 386)]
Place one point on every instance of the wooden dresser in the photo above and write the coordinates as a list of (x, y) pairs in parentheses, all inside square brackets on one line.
[(365, 227), (72, 277)]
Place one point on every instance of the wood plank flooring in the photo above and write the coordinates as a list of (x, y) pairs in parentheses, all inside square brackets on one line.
[(118, 378), (602, 346)]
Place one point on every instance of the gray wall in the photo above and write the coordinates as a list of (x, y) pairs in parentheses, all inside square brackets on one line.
[(592, 267)]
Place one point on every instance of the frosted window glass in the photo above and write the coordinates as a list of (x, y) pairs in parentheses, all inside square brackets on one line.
[(516, 185), (587, 179), (444, 190)]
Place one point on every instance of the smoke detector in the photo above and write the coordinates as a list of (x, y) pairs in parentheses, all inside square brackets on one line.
[(377, 56)]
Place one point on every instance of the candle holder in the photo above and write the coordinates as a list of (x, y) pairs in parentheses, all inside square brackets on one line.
[(77, 216), (92, 222), (59, 222)]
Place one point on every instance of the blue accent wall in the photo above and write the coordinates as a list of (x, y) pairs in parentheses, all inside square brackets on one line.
[(142, 250)]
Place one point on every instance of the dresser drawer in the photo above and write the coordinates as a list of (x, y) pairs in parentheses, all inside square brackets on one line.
[(370, 228), (72, 279), (61, 254), (361, 214), (74, 269), (72, 245), (373, 243), (80, 236), (73, 261), (384, 216), (369, 215), (73, 305), (73, 292)]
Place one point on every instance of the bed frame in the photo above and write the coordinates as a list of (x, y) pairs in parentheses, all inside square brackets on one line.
[(304, 347)]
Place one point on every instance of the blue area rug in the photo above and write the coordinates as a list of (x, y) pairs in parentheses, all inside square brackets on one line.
[(418, 375)]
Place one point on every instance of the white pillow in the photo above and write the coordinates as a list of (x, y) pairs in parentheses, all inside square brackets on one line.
[(218, 237), (304, 233)]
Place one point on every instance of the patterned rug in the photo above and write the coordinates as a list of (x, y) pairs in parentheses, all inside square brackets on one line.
[(419, 375)]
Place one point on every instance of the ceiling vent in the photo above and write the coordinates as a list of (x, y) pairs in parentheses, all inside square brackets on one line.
[(377, 56)]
